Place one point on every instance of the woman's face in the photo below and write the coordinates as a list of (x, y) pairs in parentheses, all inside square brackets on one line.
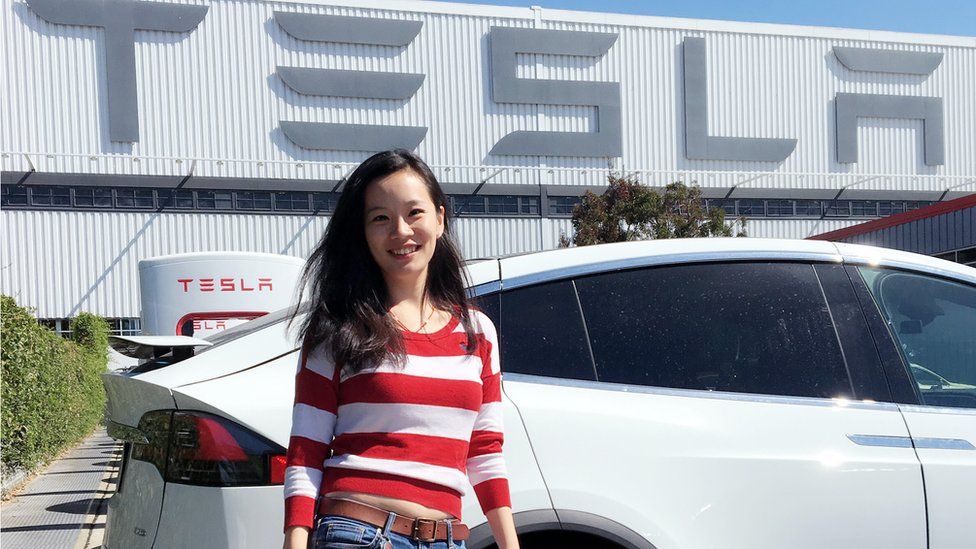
[(400, 216)]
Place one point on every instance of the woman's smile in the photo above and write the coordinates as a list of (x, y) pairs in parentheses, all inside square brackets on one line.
[(402, 225), (406, 252)]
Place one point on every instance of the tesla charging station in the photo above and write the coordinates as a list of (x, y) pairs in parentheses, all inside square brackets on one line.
[(200, 294)]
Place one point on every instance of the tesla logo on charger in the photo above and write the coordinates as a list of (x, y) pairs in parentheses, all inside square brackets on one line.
[(225, 284), (201, 325)]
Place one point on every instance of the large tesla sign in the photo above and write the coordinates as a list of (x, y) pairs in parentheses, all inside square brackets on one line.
[(121, 18)]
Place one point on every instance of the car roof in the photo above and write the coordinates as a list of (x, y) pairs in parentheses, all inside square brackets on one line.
[(525, 268)]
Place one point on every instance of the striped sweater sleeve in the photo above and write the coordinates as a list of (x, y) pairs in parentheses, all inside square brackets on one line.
[(313, 424), (485, 463)]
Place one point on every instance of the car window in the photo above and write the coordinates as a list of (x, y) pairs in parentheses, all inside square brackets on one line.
[(934, 323), (740, 327), (542, 332)]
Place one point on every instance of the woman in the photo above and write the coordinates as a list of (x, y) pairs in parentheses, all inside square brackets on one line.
[(399, 378)]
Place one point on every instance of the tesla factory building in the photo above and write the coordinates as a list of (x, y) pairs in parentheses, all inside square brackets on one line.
[(135, 129)]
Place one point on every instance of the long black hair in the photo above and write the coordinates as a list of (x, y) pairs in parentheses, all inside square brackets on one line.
[(347, 309)]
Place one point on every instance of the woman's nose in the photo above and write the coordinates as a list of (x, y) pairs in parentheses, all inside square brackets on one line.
[(402, 228)]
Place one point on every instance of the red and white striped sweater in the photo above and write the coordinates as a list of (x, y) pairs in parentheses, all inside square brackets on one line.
[(409, 433)]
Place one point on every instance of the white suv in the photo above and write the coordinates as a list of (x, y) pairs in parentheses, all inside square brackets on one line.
[(707, 393)]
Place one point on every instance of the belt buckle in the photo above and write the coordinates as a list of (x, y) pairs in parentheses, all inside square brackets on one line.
[(415, 532)]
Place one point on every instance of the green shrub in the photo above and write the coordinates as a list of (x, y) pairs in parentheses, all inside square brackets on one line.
[(91, 332), (51, 391)]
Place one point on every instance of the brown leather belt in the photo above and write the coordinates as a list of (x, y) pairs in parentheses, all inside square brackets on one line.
[(417, 529)]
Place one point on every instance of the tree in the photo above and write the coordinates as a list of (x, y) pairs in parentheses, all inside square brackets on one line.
[(628, 210)]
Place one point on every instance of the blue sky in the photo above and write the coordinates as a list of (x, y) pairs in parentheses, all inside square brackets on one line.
[(956, 17)]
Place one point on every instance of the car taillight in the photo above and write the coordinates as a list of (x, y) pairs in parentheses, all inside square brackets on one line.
[(207, 450)]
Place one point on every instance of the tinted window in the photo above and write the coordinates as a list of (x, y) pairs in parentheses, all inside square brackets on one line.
[(542, 332), (488, 304), (746, 327), (934, 324)]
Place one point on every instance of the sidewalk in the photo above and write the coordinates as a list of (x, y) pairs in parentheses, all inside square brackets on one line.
[(64, 505)]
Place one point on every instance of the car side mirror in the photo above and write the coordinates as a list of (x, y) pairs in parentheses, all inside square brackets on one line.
[(910, 327)]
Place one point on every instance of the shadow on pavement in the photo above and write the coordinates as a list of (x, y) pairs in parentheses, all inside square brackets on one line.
[(47, 527), (79, 507)]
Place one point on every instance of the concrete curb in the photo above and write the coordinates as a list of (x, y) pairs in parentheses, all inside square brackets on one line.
[(91, 536), (13, 481)]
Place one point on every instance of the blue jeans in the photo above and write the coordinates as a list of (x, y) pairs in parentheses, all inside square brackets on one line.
[(337, 532)]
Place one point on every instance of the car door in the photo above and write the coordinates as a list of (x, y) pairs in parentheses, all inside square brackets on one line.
[(932, 321), (712, 405)]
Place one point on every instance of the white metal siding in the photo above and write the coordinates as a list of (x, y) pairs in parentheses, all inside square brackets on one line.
[(212, 94), (64, 263)]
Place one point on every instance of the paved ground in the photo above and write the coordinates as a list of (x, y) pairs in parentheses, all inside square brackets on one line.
[(63, 507)]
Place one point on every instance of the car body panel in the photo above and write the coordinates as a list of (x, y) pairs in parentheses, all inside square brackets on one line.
[(945, 440), (128, 397), (253, 397), (135, 507), (225, 518), (695, 469)]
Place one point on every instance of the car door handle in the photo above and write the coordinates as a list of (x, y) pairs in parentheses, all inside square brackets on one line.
[(887, 441), (944, 444), (890, 441)]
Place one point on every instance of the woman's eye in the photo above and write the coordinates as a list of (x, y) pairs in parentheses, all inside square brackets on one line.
[(416, 211), (379, 218)]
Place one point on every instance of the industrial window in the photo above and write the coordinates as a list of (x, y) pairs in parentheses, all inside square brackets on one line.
[(779, 208), (563, 205), (864, 208), (886, 207), (808, 208), (727, 206), (542, 332), (740, 327), (13, 195), (60, 197), (134, 198), (124, 326), (529, 205), (325, 202), (840, 208), (253, 200), (291, 201), (180, 199), (60, 326), (750, 208), (966, 256), (116, 326), (93, 197), (50, 196), (503, 204), (469, 204), (215, 200)]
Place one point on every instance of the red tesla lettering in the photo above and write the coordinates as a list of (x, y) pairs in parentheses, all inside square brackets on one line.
[(264, 283), (226, 284), (245, 288), (196, 325), (186, 283), (206, 284)]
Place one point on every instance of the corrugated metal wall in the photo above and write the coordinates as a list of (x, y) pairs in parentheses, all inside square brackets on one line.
[(932, 235), (210, 103), (64, 263), (213, 94)]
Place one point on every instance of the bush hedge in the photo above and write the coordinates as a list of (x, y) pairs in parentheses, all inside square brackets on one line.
[(51, 390)]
